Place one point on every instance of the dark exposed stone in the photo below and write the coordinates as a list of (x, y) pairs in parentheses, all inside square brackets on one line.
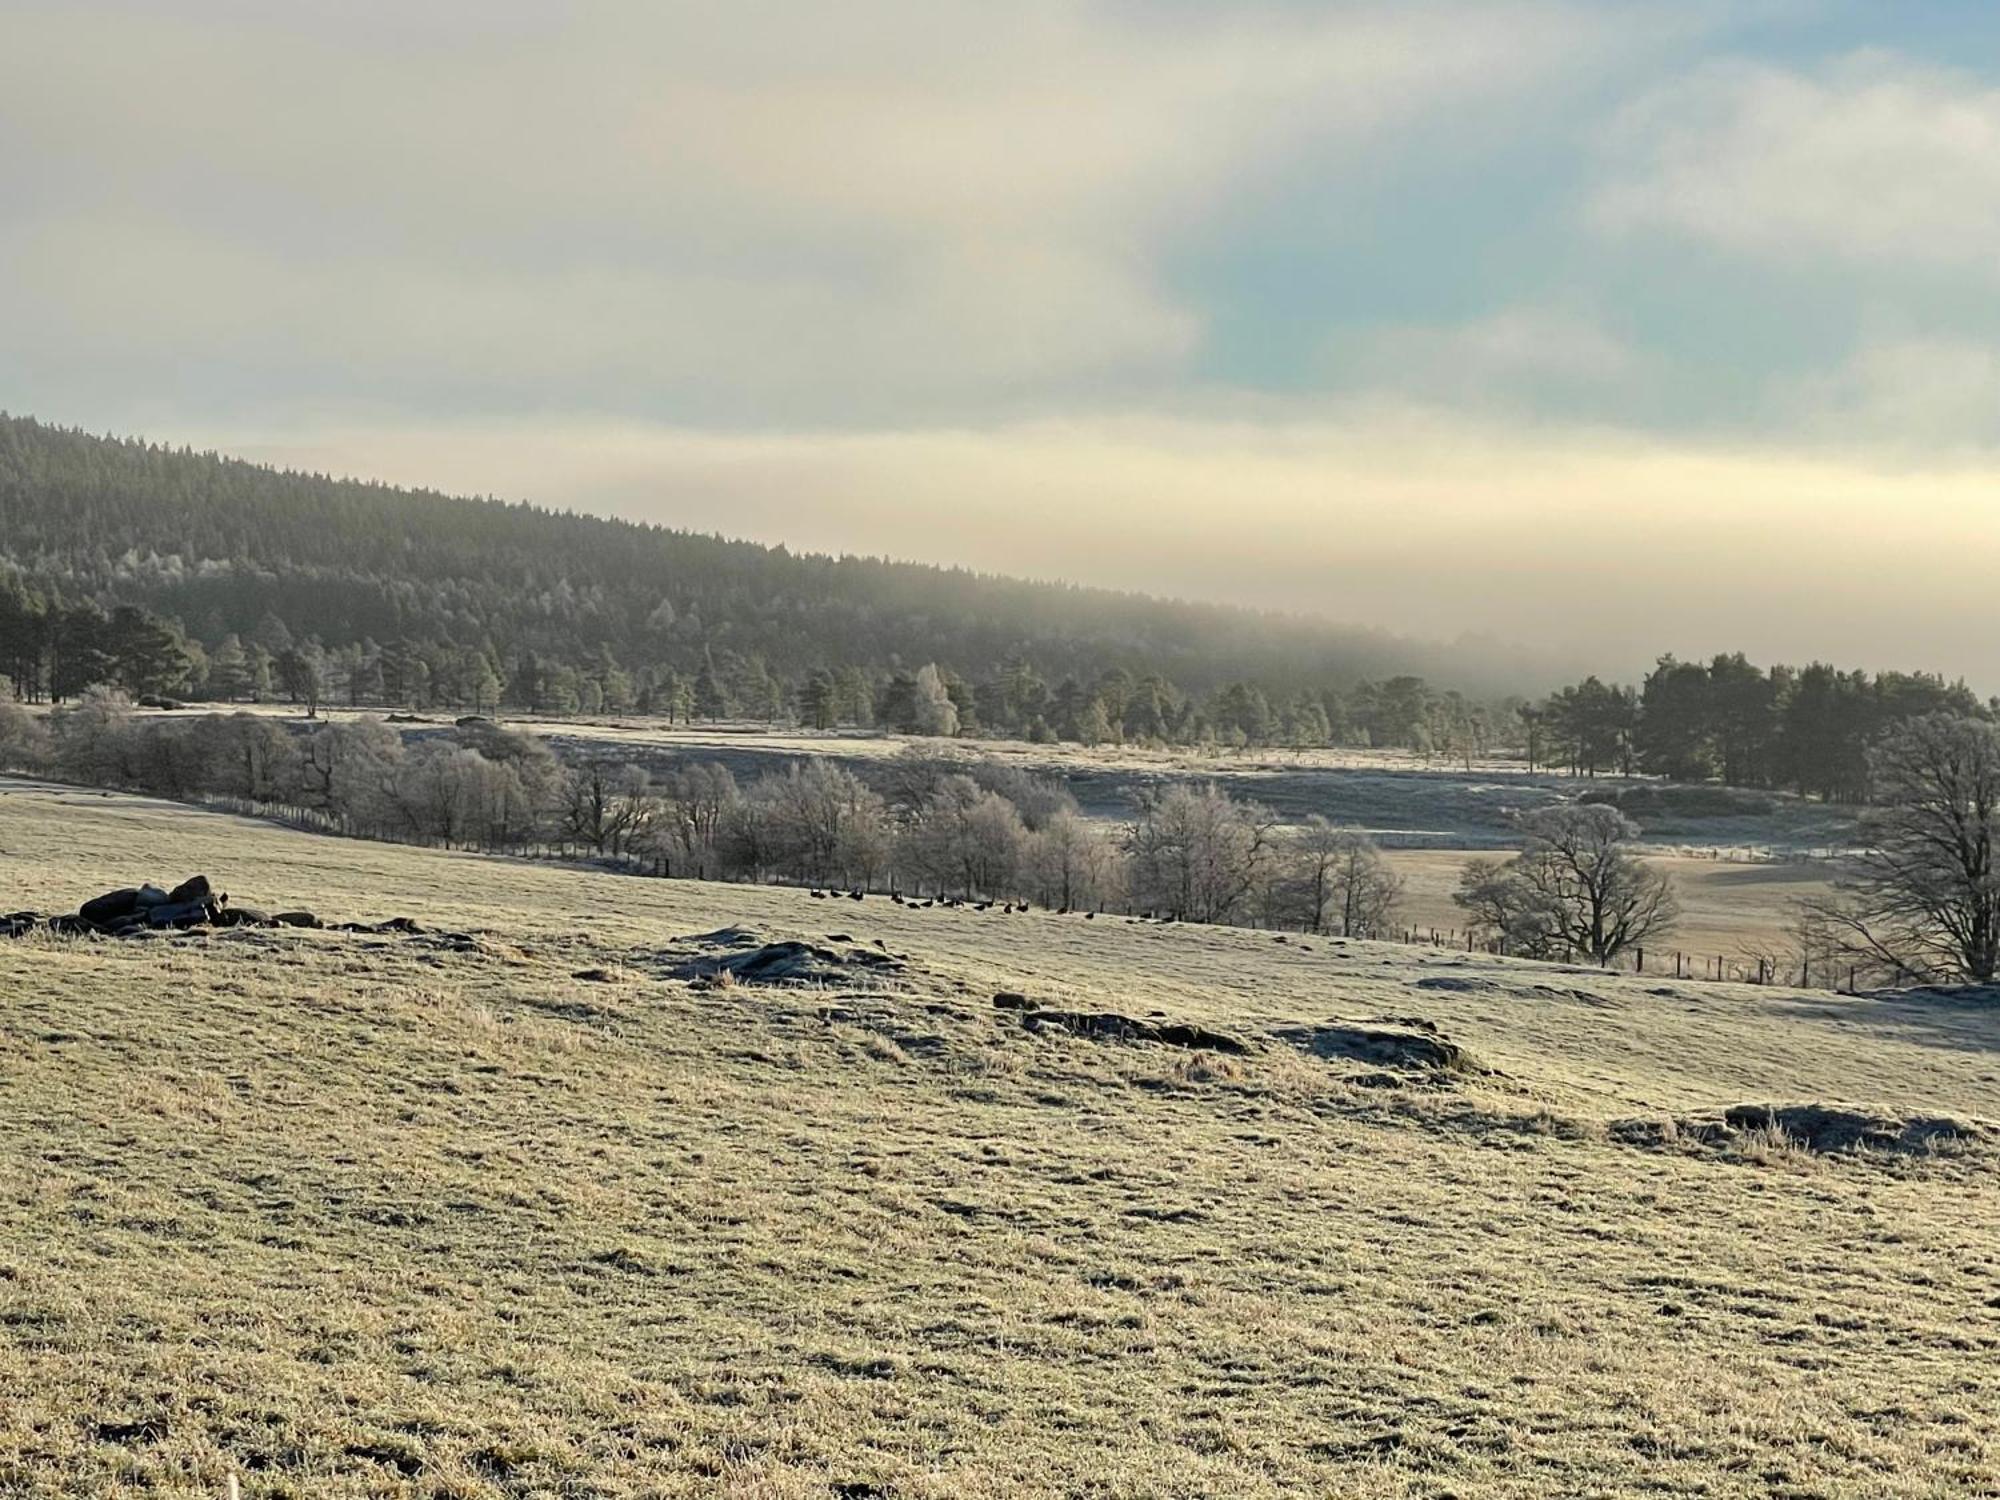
[(1420, 1047), (1182, 1035), (1110, 1026), (297, 919), (193, 891), (788, 962), (244, 916), (1823, 1128), (1841, 1131), (110, 906), (179, 914)]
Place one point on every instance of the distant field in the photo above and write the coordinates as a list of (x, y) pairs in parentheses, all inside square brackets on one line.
[(1740, 876), (1398, 797), (1736, 910), (348, 1214)]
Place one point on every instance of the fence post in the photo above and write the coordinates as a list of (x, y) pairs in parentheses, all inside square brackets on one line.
[(1642, 962)]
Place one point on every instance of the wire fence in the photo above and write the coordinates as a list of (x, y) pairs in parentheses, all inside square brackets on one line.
[(1660, 962)]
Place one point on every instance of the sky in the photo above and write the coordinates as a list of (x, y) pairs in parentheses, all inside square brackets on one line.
[(1608, 329)]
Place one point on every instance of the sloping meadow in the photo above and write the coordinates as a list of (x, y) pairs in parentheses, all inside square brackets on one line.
[(657, 1188)]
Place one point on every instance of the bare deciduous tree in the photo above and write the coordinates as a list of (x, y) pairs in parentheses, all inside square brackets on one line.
[(1073, 863), (1923, 902), (964, 840), (1197, 855), (821, 822), (600, 804), (1575, 888), (23, 741), (696, 803), (1344, 885)]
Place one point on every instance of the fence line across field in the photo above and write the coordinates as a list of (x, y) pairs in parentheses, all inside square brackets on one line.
[(1717, 967)]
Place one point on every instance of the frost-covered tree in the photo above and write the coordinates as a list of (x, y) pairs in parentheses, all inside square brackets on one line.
[(1342, 884), (1923, 901), (1576, 887), (1196, 855), (933, 712)]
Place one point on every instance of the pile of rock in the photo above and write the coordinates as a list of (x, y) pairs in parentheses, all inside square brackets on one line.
[(746, 958), (130, 910)]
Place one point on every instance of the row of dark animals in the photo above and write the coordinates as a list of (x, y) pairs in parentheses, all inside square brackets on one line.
[(958, 903), (1160, 919), (195, 902), (914, 904)]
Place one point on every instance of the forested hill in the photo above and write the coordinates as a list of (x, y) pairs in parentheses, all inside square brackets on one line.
[(224, 547)]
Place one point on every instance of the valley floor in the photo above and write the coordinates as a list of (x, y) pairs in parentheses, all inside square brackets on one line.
[(510, 1207)]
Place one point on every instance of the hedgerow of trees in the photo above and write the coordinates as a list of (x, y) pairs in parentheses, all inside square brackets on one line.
[(924, 824)]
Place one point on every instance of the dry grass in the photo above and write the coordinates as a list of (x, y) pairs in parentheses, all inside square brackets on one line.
[(353, 1215), (1731, 909)]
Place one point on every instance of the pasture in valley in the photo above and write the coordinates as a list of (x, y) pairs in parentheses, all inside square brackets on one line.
[(1742, 861), (1736, 909), (521, 1205)]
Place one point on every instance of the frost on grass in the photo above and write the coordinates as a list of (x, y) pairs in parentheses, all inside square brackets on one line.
[(736, 955)]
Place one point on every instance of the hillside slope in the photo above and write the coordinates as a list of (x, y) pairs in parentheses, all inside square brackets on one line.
[(226, 546), (433, 1214)]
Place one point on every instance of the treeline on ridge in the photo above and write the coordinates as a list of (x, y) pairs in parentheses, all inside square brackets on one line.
[(405, 598), (169, 574), (1809, 729)]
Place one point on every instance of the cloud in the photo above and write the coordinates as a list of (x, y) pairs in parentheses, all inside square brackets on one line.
[(1870, 160), (1517, 357), (619, 204), (1906, 396), (1609, 545), (111, 290)]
